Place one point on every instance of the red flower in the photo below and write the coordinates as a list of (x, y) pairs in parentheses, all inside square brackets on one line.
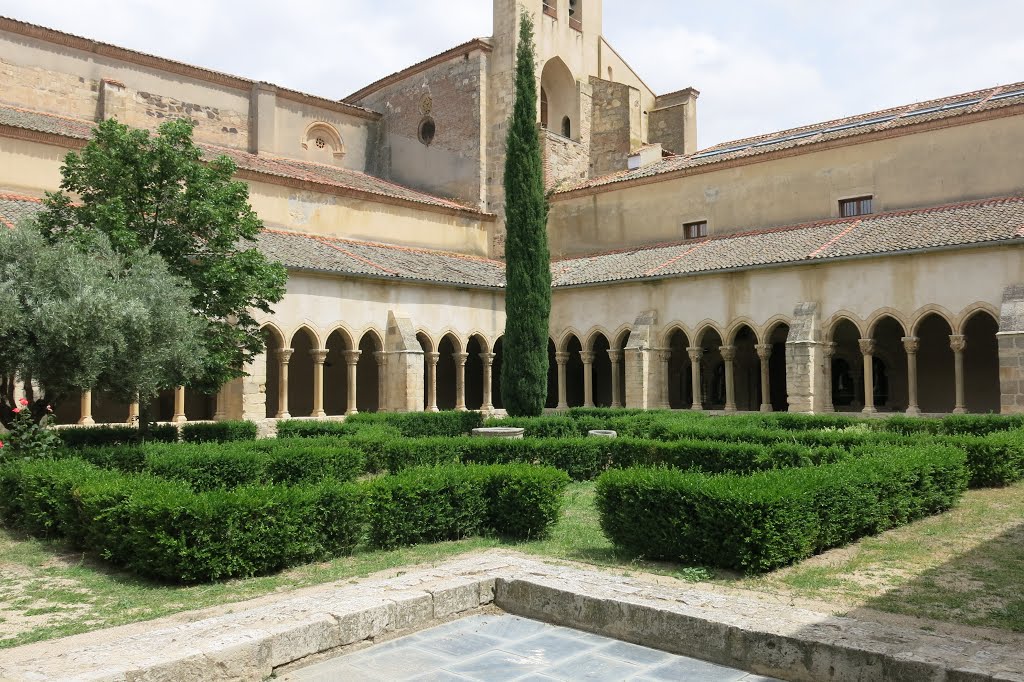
[(1, 445), (24, 402), (16, 410)]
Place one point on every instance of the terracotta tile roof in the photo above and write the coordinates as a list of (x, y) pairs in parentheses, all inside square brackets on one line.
[(354, 257), (999, 220), (457, 51), (308, 171), (889, 119), (988, 221), (16, 207)]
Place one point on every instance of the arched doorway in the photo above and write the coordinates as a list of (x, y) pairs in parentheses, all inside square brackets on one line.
[(778, 391), (601, 370), (475, 372), (447, 364), (368, 373), (981, 363), (712, 371), (300, 373), (746, 370), (573, 372), (336, 373), (680, 382), (559, 89), (889, 377), (847, 387), (271, 357), (936, 384)]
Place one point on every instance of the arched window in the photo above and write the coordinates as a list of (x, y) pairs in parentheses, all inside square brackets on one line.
[(543, 108), (323, 143), (566, 127)]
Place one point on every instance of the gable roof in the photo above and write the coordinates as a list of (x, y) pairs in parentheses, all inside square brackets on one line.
[(898, 120), (331, 179)]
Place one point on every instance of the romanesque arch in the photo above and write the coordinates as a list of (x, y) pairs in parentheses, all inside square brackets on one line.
[(981, 362), (775, 337), (369, 373), (322, 142), (680, 384), (450, 351), (746, 370), (275, 343), (601, 369), (336, 370), (300, 372), (559, 87), (936, 386), (474, 372)]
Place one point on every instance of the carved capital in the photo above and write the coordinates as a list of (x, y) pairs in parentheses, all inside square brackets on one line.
[(957, 342), (284, 355), (488, 358), (319, 355), (867, 346), (460, 358), (587, 357), (615, 356), (829, 350), (664, 355), (696, 353), (382, 358), (352, 356), (911, 344), (728, 353), (562, 358), (433, 358), (764, 351)]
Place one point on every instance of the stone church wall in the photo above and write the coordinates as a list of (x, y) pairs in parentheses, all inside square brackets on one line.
[(615, 129)]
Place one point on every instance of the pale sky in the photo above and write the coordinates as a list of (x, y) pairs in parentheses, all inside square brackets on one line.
[(761, 65)]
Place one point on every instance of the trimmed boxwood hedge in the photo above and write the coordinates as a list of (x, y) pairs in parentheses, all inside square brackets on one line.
[(408, 424), (93, 436), (431, 504), (218, 432), (769, 519)]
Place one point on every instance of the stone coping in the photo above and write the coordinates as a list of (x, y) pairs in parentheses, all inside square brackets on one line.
[(250, 640)]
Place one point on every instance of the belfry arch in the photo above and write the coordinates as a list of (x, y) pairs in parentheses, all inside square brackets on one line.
[(560, 99)]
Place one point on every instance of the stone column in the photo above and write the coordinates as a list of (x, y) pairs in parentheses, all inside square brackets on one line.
[(587, 356), (179, 406), (664, 358), (133, 412), (432, 359), (828, 351), (488, 360), (867, 349), (319, 356), (729, 356), (616, 359), (912, 344), (382, 380), (284, 356), (86, 409), (221, 410), (460, 381), (696, 354), (958, 342), (764, 354), (562, 359), (351, 374)]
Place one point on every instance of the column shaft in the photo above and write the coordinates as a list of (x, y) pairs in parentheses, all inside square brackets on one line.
[(133, 412), (867, 348), (827, 353), (179, 406), (85, 419), (488, 360), (729, 356), (432, 359), (284, 356), (616, 359), (958, 342), (319, 356), (351, 374), (562, 359), (764, 354), (911, 344), (696, 356), (588, 378), (382, 383), (460, 381)]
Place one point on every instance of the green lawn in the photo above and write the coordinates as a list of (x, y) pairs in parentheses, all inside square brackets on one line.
[(965, 567)]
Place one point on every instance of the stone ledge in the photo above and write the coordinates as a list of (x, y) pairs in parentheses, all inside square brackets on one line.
[(250, 640)]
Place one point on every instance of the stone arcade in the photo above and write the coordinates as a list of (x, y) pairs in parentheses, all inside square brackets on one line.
[(867, 264)]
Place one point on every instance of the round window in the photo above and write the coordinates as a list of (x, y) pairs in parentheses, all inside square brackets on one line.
[(427, 130), (320, 143)]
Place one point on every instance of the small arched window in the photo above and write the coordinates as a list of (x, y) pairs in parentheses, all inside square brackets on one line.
[(322, 142), (566, 127), (543, 108)]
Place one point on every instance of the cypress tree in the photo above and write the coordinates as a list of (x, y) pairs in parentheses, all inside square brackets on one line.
[(524, 371)]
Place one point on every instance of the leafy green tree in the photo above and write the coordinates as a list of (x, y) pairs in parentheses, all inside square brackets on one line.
[(155, 192), (73, 318), (528, 270)]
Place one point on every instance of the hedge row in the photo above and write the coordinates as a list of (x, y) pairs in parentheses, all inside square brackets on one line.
[(769, 519), (430, 504), (166, 530), (408, 424), (123, 434)]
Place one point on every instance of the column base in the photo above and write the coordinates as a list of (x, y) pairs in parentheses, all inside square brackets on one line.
[(730, 409), (616, 405), (697, 407), (563, 408), (319, 415), (869, 410), (87, 421), (767, 408), (283, 415), (913, 411), (960, 410), (588, 405), (487, 408), (461, 408), (828, 409), (179, 419), (432, 408), (351, 412)]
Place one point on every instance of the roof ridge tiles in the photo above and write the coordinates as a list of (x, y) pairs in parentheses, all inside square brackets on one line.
[(383, 245), (4, 196)]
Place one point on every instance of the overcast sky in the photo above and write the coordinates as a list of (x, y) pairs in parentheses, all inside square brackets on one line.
[(761, 65)]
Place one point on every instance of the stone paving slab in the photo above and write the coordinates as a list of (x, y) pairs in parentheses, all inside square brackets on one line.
[(249, 640), (493, 647)]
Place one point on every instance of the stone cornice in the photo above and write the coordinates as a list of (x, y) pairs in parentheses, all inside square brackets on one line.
[(952, 122), (458, 51)]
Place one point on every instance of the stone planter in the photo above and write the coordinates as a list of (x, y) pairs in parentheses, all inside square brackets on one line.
[(602, 433), (500, 432)]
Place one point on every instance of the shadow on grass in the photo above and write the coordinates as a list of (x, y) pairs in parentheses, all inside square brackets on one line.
[(980, 587)]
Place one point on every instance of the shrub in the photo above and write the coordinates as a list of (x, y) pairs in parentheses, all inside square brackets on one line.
[(769, 519), (301, 428), (36, 496), (218, 432), (996, 459), (429, 504), (420, 424), (541, 427), (91, 436)]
